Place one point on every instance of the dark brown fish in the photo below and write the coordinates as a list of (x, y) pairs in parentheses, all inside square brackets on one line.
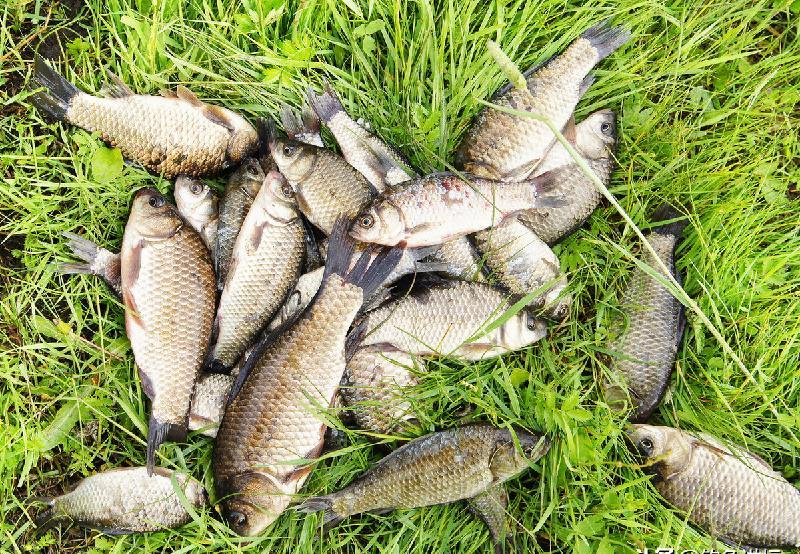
[(273, 428), (169, 295), (170, 135), (645, 338), (730, 493)]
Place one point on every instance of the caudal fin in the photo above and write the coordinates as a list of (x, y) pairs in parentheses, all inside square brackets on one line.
[(326, 105), (304, 128), (48, 518), (58, 93), (605, 38), (98, 261), (674, 222), (322, 504), (157, 434)]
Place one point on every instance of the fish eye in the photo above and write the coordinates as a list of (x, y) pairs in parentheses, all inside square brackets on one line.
[(531, 324), (287, 190), (252, 171), (237, 519), (288, 150), (605, 128), (366, 221), (156, 201), (196, 188), (646, 446)]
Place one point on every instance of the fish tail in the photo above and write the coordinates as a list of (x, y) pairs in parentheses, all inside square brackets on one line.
[(157, 434), (265, 129), (292, 125), (322, 504), (48, 518), (81, 247), (674, 220), (55, 100), (546, 186), (311, 122), (326, 105), (605, 38), (74, 269)]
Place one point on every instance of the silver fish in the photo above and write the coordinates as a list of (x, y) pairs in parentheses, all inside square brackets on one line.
[(199, 206), (208, 402)]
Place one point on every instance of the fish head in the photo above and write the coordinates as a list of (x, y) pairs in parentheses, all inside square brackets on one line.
[(596, 136), (295, 159), (521, 330), (193, 196), (665, 450), (382, 223), (253, 502), (152, 217), (249, 176), (282, 201), (507, 460)]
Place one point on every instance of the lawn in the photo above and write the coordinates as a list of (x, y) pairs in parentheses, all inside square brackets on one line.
[(707, 95)]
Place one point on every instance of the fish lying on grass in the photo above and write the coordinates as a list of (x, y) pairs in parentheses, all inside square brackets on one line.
[(523, 264), (595, 140), (273, 427), (381, 164), (372, 387), (730, 493), (199, 206), (304, 128), (449, 318), (500, 145), (439, 468), (173, 134), (267, 261), (240, 191), (646, 338), (169, 296), (208, 402), (441, 207), (327, 186), (125, 500)]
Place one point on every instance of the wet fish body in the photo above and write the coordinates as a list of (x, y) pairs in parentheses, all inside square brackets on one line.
[(731, 493), (643, 351), (441, 207), (169, 296), (125, 500), (500, 145), (267, 260), (199, 206), (208, 402), (273, 427), (381, 164), (595, 140), (240, 191), (175, 134), (327, 186), (439, 468), (524, 264), (448, 319)]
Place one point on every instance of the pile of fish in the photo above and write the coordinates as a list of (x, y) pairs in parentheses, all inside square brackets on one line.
[(325, 280)]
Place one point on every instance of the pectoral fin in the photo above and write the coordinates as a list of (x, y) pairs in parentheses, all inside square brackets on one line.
[(491, 506)]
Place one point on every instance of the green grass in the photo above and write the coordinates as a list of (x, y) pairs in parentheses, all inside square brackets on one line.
[(707, 94)]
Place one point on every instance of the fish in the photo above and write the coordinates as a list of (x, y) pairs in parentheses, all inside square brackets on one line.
[(327, 186), (173, 134), (274, 424), (644, 339), (439, 468), (523, 264), (373, 389), (381, 164), (301, 296), (729, 492), (304, 128), (504, 146), (125, 500), (441, 207), (199, 206), (460, 258), (595, 141), (208, 402), (267, 261), (96, 261), (169, 297), (240, 191), (450, 318)]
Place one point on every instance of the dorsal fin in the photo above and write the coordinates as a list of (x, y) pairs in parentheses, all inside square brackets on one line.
[(185, 94), (167, 93), (215, 114), (114, 87)]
